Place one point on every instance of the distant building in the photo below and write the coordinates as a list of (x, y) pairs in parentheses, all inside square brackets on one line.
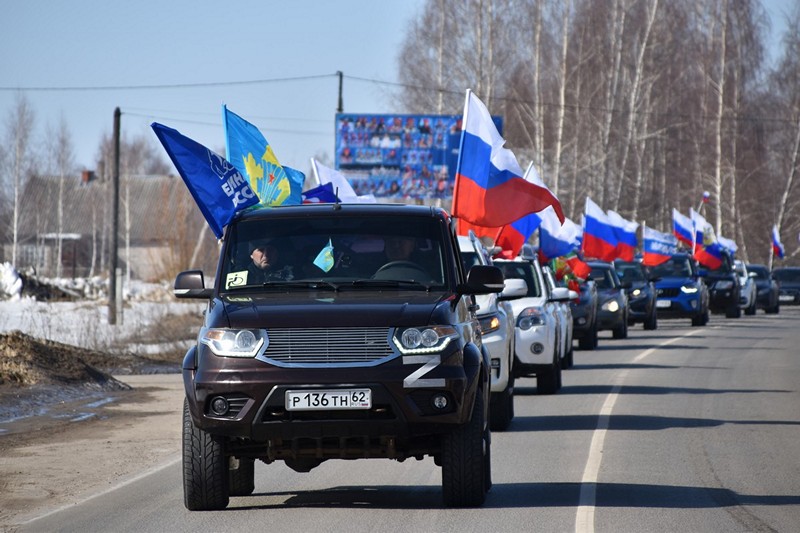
[(160, 228)]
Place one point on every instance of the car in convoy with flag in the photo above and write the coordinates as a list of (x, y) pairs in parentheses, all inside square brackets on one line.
[(724, 288), (496, 317), (641, 289), (681, 290), (352, 353), (538, 347), (788, 279), (747, 287), (768, 291), (612, 313)]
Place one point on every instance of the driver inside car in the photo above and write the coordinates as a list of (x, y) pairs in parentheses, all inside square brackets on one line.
[(400, 262), (399, 247)]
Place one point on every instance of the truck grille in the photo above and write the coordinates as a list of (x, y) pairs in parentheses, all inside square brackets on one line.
[(322, 346)]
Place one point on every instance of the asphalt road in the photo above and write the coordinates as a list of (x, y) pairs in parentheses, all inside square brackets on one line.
[(679, 429)]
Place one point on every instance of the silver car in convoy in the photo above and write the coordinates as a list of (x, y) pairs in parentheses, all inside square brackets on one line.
[(564, 319), (538, 347), (747, 282), (496, 318)]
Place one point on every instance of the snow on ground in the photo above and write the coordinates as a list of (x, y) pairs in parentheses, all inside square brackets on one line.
[(84, 322)]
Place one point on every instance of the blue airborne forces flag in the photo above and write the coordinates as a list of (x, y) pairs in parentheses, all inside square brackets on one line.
[(249, 151), (216, 186)]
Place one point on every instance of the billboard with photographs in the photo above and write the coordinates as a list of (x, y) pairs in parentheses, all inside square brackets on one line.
[(400, 157)]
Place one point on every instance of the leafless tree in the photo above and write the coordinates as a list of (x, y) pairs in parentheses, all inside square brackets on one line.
[(61, 162), (19, 132)]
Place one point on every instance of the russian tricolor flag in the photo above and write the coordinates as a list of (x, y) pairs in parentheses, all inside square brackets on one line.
[(777, 247), (683, 228), (490, 189), (556, 240), (599, 239), (625, 232), (657, 247)]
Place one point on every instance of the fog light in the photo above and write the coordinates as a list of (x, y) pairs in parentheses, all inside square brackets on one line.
[(537, 348), (581, 321), (440, 401), (219, 406)]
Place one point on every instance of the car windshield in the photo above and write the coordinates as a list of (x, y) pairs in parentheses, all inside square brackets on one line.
[(787, 275), (604, 278), (630, 272), (761, 272), (334, 253), (469, 260), (521, 270), (676, 267)]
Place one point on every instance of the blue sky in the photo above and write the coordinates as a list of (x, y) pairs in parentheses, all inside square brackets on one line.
[(101, 43)]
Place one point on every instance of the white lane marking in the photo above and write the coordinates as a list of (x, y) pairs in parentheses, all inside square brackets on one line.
[(584, 516)]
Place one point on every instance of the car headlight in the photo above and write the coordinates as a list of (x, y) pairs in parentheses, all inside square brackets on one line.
[(636, 293), (689, 289), (489, 323), (225, 342), (530, 317), (424, 340), (611, 306), (724, 284)]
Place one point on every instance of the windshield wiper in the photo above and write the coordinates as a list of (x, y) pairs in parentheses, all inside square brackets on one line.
[(389, 283), (281, 284)]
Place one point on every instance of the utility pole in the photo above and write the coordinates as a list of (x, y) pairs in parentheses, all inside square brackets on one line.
[(112, 275), (340, 108)]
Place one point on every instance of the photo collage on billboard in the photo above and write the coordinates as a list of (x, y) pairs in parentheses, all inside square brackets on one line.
[(400, 157)]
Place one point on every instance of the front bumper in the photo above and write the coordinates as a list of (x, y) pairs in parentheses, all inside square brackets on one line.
[(498, 345)]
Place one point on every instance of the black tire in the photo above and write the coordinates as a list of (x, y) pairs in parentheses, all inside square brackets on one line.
[(549, 381), (589, 342), (569, 360), (205, 468), (242, 480), (651, 322), (751, 309), (621, 331), (733, 312), (698, 320), (706, 317), (773, 310), (466, 455), (501, 406)]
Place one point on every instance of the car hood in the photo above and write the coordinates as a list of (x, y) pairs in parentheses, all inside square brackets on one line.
[(671, 283), (329, 309)]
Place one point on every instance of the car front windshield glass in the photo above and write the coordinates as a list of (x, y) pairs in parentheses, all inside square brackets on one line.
[(787, 275), (630, 272), (338, 252), (521, 270), (603, 278), (676, 267)]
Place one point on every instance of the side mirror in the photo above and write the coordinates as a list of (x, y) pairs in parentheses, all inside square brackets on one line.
[(483, 279), (562, 294), (515, 288), (190, 284), (626, 285)]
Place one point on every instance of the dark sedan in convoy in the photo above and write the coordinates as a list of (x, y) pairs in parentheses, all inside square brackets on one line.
[(612, 313), (767, 289), (682, 293), (788, 279), (641, 289), (584, 316)]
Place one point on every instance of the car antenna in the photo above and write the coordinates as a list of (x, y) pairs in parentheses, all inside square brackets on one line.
[(337, 205)]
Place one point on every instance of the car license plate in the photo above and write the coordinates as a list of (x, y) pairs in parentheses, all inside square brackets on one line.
[(662, 304), (315, 399), (786, 298)]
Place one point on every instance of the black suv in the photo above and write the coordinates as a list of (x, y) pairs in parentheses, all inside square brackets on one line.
[(341, 350), (723, 288)]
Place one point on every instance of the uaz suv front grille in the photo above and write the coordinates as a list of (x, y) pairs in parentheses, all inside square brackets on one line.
[(323, 346)]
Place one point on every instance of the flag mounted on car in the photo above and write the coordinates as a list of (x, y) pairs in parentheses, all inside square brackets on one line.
[(490, 189), (683, 228), (657, 247), (217, 187), (625, 232), (777, 248), (248, 150), (599, 238)]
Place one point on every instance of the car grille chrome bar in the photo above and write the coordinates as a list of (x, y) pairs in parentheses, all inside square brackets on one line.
[(328, 347)]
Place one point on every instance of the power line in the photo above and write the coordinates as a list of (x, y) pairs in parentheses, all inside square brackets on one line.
[(170, 86)]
